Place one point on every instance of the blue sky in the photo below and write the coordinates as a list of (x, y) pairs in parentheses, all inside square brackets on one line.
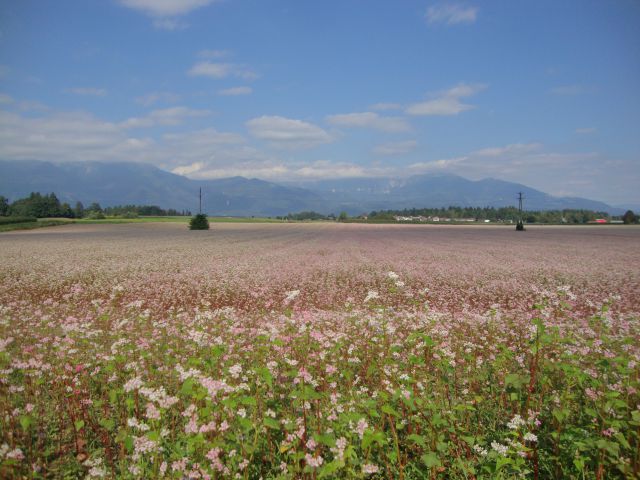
[(545, 93)]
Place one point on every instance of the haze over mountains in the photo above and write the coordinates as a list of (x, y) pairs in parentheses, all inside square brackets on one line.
[(142, 184)]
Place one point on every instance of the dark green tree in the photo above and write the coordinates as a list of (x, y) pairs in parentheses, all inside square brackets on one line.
[(4, 206), (629, 217), (199, 222), (343, 216), (78, 211)]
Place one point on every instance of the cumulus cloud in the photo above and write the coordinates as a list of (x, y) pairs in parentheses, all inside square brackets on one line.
[(385, 106), (286, 132), (157, 97), (395, 148), (234, 91), (166, 116), (166, 8), (221, 70), (447, 102), (370, 120), (451, 14), (165, 13), (87, 91), (511, 149), (65, 136)]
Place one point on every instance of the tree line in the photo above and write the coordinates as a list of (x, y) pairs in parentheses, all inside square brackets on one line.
[(503, 214), (49, 206)]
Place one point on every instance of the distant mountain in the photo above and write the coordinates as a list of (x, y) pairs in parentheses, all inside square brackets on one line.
[(142, 184), (439, 190), (133, 183)]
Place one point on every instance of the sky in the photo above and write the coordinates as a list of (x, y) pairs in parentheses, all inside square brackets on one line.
[(545, 93)]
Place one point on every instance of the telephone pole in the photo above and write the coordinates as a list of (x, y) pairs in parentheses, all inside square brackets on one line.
[(200, 207), (520, 224)]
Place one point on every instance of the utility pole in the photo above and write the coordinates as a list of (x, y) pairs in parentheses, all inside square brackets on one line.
[(520, 224), (200, 207)]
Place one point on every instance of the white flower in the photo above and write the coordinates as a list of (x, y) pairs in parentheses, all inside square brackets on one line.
[(371, 295), (369, 469), (290, 296), (516, 422), (530, 437), (501, 449)]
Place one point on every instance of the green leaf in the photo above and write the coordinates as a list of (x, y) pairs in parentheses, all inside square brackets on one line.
[(417, 439), (128, 444), (430, 459), (187, 386), (249, 401), (330, 468), (389, 410), (107, 423), (272, 423), (78, 424), (25, 422)]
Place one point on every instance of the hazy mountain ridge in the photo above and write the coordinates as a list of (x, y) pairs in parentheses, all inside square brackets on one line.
[(133, 183)]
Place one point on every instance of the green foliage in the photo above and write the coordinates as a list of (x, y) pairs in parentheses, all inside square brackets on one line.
[(12, 220), (629, 217), (40, 206), (4, 206), (504, 214), (199, 222), (343, 216), (306, 215)]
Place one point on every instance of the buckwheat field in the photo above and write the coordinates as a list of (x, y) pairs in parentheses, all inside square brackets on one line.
[(290, 351)]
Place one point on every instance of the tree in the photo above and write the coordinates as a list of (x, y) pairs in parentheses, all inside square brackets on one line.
[(78, 211), (95, 207), (343, 216), (629, 217), (4, 206), (199, 222)]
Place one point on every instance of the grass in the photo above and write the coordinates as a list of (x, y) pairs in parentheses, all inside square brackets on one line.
[(45, 222)]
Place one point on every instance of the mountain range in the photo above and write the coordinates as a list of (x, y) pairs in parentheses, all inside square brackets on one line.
[(143, 184)]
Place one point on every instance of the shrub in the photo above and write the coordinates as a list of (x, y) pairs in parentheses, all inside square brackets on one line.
[(199, 222), (95, 215), (11, 220)]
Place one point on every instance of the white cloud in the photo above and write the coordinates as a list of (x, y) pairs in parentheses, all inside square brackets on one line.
[(511, 149), (451, 14), (395, 148), (4, 98), (165, 8), (286, 132), (221, 70), (170, 24), (233, 91), (442, 164), (328, 169), (447, 102), (63, 137), (370, 120), (87, 91), (186, 170), (157, 97), (385, 106), (586, 131), (167, 116)]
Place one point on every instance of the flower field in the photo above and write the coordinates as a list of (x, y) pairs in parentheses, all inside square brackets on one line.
[(290, 351)]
